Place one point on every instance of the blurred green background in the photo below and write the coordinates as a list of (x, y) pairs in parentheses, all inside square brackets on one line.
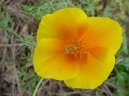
[(19, 21)]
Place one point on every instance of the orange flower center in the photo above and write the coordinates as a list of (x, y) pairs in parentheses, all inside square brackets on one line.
[(75, 48)]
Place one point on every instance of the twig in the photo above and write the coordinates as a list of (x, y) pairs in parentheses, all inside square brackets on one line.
[(111, 85), (10, 45)]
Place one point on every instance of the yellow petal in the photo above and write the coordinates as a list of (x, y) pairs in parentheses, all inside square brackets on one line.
[(50, 60), (101, 37), (102, 32), (52, 25), (94, 69)]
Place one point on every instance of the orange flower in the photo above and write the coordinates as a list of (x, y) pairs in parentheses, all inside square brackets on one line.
[(75, 48)]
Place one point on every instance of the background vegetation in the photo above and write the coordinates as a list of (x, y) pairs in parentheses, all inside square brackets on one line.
[(19, 21)]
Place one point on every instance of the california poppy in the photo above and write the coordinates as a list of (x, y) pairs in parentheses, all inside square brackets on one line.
[(76, 48)]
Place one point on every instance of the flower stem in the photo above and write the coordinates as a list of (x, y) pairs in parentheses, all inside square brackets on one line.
[(37, 87)]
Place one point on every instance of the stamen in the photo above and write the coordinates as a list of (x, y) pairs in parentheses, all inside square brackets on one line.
[(74, 48)]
